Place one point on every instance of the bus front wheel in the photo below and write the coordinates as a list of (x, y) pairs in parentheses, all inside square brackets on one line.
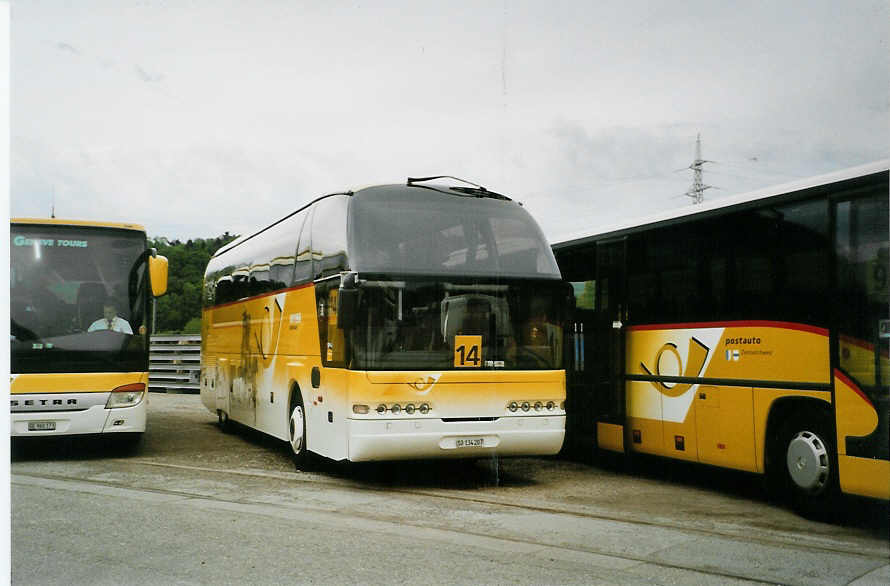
[(297, 429), (810, 466)]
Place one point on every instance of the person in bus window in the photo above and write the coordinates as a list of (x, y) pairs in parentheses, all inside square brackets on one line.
[(110, 320), (542, 338)]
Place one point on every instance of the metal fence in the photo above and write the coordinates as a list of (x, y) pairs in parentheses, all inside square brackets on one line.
[(175, 364)]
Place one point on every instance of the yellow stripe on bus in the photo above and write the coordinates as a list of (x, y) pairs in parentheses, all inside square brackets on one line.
[(90, 223), (85, 382)]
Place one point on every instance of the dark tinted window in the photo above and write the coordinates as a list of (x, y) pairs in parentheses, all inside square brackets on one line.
[(259, 265), (271, 255), (578, 267), (78, 300), (863, 265), (750, 244), (758, 264), (303, 266), (240, 283), (415, 324), (665, 281), (329, 236), (803, 261), (577, 264), (411, 230), (778, 268)]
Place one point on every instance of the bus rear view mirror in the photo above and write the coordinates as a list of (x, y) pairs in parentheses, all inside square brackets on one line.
[(347, 310), (347, 303), (157, 270)]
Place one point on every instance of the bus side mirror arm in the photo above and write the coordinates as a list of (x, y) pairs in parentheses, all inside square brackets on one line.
[(347, 302)]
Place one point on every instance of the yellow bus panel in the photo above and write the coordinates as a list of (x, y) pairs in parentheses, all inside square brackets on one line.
[(84, 382)]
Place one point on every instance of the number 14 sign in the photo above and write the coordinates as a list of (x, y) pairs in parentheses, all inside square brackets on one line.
[(467, 351)]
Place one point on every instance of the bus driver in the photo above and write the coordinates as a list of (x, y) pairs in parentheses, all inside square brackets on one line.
[(110, 320)]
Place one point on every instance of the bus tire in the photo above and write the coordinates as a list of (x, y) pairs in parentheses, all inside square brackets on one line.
[(808, 464), (297, 434), (225, 424)]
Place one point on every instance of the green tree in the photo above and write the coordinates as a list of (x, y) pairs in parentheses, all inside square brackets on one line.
[(193, 326), (180, 308), (587, 299)]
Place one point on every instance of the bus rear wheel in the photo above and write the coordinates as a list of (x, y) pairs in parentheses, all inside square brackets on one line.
[(297, 435), (809, 465), (225, 424)]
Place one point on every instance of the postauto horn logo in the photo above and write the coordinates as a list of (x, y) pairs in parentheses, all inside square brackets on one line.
[(668, 359)]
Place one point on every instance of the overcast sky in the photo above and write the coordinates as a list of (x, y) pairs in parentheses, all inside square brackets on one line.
[(200, 117)]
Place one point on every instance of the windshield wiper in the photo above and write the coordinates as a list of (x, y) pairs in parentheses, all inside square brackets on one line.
[(475, 191)]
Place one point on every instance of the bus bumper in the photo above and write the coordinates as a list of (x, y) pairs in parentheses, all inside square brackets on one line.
[(407, 439), (96, 419)]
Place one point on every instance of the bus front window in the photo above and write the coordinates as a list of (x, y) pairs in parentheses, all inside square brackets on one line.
[(414, 325), (77, 299)]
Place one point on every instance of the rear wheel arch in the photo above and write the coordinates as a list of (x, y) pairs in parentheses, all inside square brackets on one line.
[(801, 455), (781, 411), (295, 396)]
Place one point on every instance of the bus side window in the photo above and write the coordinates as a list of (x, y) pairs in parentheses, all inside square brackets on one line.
[(224, 291), (329, 236), (303, 266), (332, 339), (585, 294)]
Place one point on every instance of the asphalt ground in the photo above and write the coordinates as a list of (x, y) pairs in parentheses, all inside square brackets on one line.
[(557, 520)]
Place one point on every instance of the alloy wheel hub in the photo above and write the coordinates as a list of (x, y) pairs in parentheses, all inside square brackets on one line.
[(807, 460)]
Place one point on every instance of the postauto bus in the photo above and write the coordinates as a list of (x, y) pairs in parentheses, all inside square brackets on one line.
[(418, 320), (750, 332)]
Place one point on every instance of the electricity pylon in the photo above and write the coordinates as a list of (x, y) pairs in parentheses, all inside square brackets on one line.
[(697, 191)]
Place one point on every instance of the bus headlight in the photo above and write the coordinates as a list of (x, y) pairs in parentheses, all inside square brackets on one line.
[(360, 409), (398, 409), (537, 406), (126, 396)]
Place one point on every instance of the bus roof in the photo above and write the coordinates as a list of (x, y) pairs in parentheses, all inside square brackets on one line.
[(90, 223), (245, 237), (476, 191), (724, 203)]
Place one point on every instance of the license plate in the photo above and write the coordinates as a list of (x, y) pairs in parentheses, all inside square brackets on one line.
[(41, 426), (469, 442)]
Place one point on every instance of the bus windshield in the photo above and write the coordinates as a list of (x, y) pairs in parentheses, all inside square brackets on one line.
[(78, 299), (423, 231), (413, 324)]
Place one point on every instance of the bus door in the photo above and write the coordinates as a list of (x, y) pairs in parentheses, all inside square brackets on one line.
[(595, 346), (606, 344), (862, 345), (581, 407)]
